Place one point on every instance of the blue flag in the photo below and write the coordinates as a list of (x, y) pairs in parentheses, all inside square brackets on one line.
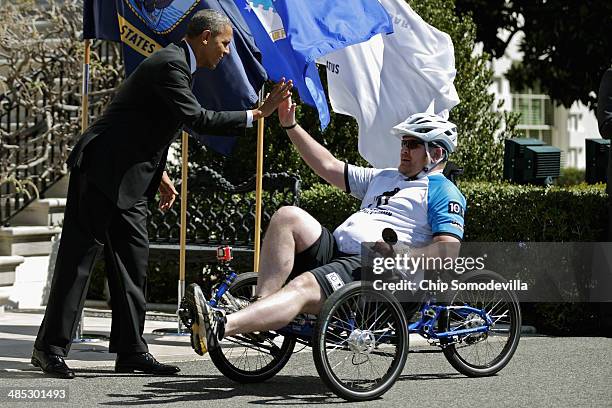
[(144, 26), (292, 34)]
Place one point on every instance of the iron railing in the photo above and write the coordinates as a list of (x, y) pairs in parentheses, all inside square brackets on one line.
[(35, 143), (220, 213)]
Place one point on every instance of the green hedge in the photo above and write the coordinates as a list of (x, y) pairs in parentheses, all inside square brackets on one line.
[(329, 205), (498, 212), (570, 176)]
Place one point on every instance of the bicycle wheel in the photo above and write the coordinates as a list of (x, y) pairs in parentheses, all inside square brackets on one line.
[(252, 357), (483, 354), (360, 342)]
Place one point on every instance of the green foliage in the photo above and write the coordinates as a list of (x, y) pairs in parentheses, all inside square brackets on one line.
[(489, 16), (570, 176), (566, 45), (329, 205), (498, 212), (508, 212), (481, 129), (567, 48)]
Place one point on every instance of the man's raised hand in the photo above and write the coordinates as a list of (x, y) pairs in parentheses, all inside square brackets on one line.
[(286, 112)]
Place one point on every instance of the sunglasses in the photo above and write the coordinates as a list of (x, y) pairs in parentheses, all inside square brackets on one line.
[(411, 144)]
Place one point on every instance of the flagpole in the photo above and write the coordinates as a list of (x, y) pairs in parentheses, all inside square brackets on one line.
[(85, 90), (258, 185), (79, 337), (183, 238)]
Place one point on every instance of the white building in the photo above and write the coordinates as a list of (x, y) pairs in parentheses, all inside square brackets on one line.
[(564, 128)]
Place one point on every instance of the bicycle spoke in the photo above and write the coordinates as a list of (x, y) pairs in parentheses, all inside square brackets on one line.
[(485, 348), (352, 367)]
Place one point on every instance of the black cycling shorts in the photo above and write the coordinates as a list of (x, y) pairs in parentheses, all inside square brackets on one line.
[(332, 268)]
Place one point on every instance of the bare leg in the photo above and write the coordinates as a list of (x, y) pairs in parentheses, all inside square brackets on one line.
[(302, 294), (291, 230)]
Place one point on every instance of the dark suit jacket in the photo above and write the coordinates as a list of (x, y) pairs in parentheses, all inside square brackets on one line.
[(128, 144), (604, 116)]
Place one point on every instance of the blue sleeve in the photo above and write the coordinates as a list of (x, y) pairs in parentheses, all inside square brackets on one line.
[(445, 207)]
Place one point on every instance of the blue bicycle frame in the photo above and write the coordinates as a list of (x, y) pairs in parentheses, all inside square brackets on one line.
[(303, 327), (430, 313)]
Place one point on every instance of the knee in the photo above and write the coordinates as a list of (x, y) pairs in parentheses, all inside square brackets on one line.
[(307, 289), (301, 225), (289, 216)]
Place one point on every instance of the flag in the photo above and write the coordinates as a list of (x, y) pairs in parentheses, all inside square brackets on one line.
[(100, 20), (292, 34), (383, 81), (143, 27)]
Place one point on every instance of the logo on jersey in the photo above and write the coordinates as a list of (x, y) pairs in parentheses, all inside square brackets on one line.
[(162, 16), (455, 208), (335, 280), (383, 199)]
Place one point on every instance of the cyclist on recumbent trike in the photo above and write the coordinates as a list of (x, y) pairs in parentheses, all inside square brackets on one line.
[(303, 264)]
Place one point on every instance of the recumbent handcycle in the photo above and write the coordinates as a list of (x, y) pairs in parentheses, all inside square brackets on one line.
[(360, 338)]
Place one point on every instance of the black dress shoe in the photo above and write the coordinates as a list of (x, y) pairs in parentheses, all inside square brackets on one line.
[(51, 364), (144, 362)]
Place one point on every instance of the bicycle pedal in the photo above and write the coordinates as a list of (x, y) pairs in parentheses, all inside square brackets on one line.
[(186, 315), (256, 337)]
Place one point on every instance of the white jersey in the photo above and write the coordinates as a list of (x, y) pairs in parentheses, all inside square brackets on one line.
[(417, 209)]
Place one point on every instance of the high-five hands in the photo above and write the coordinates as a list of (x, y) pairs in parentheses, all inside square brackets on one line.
[(286, 112), (280, 92)]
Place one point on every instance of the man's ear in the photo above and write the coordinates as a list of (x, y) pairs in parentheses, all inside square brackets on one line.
[(438, 153), (206, 36)]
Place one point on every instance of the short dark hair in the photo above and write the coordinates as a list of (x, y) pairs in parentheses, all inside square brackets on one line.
[(207, 20)]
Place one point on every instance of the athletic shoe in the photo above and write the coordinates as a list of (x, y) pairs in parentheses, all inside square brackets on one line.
[(208, 326)]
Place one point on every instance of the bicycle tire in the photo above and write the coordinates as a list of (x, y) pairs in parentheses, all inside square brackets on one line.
[(456, 353), (243, 287), (355, 295)]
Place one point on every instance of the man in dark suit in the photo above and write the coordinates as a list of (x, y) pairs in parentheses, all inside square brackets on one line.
[(116, 167)]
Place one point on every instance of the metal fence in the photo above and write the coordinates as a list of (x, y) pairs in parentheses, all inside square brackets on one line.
[(35, 143), (220, 213)]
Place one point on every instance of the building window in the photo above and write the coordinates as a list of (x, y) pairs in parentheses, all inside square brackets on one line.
[(574, 122), (543, 135), (497, 85), (536, 119)]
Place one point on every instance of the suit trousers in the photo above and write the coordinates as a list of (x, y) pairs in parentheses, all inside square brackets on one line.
[(93, 223)]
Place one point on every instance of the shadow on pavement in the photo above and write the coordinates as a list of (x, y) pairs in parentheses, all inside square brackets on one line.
[(422, 377), (280, 390), (155, 341)]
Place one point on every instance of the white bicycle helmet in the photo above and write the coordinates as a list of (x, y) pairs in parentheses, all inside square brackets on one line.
[(430, 129)]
